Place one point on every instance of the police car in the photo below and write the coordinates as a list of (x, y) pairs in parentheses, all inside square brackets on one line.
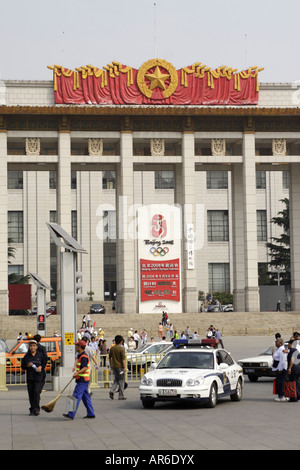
[(192, 372)]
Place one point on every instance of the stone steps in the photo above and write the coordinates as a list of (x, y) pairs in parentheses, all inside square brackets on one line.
[(237, 323)]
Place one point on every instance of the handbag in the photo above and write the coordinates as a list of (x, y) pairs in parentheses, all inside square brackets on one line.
[(290, 389)]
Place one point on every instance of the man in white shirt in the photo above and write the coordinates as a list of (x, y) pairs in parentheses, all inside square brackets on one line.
[(280, 366)]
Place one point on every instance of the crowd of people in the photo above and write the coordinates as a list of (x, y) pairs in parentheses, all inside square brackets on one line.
[(286, 364)]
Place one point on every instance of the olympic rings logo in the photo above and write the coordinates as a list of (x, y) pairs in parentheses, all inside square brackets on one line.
[(159, 251)]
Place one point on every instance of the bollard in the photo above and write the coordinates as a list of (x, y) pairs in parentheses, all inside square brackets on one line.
[(142, 372), (3, 387), (94, 378), (106, 378)]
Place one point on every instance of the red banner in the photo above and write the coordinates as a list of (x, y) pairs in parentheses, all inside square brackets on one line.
[(156, 82), (160, 280)]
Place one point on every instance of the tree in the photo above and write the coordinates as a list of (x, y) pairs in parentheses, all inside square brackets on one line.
[(14, 278), (279, 247)]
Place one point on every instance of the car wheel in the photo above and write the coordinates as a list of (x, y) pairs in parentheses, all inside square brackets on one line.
[(252, 378), (213, 396), (238, 393), (148, 404)]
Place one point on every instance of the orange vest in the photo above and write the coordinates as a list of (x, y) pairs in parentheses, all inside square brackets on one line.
[(86, 374)]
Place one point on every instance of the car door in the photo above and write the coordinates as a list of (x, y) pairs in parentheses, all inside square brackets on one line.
[(231, 373)]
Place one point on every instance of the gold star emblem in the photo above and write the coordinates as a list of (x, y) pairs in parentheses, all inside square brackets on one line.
[(157, 79)]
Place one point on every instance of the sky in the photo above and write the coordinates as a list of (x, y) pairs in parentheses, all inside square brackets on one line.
[(72, 33)]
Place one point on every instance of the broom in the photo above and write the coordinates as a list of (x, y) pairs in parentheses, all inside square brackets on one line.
[(49, 407)]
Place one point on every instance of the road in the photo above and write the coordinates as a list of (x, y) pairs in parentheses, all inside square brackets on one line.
[(255, 423)]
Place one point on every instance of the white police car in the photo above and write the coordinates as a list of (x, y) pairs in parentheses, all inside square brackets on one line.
[(194, 372)]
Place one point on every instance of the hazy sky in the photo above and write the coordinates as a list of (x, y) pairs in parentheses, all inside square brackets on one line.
[(235, 33)]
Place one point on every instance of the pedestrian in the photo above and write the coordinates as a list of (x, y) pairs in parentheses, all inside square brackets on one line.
[(129, 334), (136, 338), (19, 336), (171, 330), (88, 319), (218, 335), (103, 351), (117, 362), (160, 331), (280, 367), (113, 307), (42, 349), (34, 364), (93, 343), (278, 306), (175, 335), (83, 322), (143, 337), (131, 344), (293, 371), (101, 333), (187, 332), (82, 377)]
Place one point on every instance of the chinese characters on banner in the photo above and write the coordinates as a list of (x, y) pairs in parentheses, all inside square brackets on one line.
[(160, 280)]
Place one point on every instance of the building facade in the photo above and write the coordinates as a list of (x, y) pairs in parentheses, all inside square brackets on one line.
[(89, 167)]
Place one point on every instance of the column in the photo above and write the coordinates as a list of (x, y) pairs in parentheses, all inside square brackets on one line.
[(252, 303), (295, 235), (189, 276), (3, 226), (63, 190), (126, 267), (238, 246)]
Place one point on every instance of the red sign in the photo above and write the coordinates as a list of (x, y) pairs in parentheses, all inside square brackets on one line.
[(160, 280), (19, 296)]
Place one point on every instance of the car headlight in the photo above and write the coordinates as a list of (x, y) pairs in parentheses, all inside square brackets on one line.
[(195, 382), (264, 364), (146, 381)]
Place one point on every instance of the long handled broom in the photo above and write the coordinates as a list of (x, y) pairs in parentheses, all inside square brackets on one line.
[(49, 407)]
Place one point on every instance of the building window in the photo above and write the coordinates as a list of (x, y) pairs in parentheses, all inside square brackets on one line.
[(74, 224), (260, 180), (109, 180), (261, 219), (73, 179), (15, 226), (52, 179), (217, 179), (218, 277), (14, 179), (286, 180), (15, 272), (217, 226), (164, 180), (109, 226)]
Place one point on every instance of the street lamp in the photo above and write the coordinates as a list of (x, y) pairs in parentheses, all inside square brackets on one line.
[(42, 286), (68, 299)]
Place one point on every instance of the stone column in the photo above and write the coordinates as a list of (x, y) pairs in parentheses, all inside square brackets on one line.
[(295, 235), (238, 245), (3, 226), (63, 190), (252, 303), (189, 276), (126, 268)]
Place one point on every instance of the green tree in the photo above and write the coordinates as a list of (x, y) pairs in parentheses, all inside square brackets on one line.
[(279, 247)]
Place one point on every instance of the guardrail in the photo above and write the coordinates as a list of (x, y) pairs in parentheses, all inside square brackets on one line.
[(137, 366)]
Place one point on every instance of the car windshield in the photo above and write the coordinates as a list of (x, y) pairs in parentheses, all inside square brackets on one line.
[(267, 352), (96, 306), (187, 360), (22, 349), (3, 346), (141, 348)]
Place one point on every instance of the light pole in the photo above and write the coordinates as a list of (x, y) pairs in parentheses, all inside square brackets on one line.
[(42, 286), (68, 300)]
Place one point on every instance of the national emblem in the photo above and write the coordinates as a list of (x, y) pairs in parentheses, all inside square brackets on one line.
[(157, 78)]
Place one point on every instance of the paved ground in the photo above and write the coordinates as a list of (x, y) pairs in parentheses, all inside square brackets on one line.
[(255, 423)]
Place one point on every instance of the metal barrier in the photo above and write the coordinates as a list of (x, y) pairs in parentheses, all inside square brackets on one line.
[(137, 366)]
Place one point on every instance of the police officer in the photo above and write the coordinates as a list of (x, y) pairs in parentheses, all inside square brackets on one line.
[(82, 377)]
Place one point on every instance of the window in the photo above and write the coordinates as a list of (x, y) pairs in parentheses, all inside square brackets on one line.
[(261, 219), (15, 226), (164, 180), (218, 277), (260, 180), (217, 179), (217, 226), (108, 180), (286, 180), (74, 224), (14, 179), (73, 179), (52, 179)]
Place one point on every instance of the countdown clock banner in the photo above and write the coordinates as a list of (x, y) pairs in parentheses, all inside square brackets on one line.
[(159, 250)]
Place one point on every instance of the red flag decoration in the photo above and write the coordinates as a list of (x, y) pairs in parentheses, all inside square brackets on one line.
[(155, 82)]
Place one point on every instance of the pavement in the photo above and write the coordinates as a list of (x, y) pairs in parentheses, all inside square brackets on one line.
[(124, 428)]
